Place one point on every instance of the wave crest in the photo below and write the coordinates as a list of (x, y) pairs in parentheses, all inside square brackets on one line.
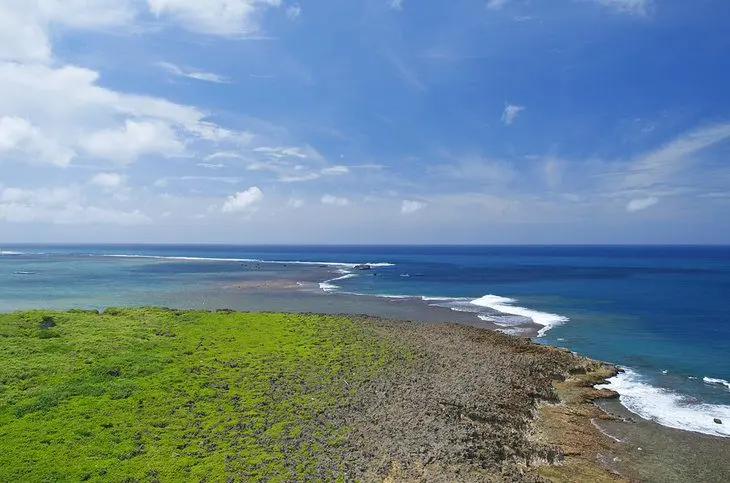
[(668, 408), (505, 306), (716, 382)]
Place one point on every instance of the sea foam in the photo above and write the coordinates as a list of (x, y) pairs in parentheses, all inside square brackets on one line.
[(668, 408), (716, 382), (246, 260), (328, 286), (505, 306)]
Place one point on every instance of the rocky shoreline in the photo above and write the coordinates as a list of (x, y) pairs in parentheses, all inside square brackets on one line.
[(476, 405)]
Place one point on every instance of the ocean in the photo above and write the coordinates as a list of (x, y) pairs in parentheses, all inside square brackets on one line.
[(662, 313)]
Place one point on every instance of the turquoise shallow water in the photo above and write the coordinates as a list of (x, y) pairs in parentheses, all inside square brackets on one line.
[(661, 312)]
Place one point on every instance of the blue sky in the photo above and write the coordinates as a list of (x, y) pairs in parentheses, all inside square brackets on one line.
[(365, 121)]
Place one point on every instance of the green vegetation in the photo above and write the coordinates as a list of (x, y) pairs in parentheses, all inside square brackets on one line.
[(154, 394)]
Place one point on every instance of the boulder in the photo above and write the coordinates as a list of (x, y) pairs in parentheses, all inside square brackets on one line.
[(364, 266), (718, 421)]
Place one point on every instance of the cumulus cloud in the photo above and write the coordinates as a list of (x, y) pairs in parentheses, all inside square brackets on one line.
[(193, 74), (243, 200), (640, 204), (24, 24), (135, 138), (334, 200), (410, 206), (229, 18), (54, 115), (108, 180), (510, 113), (19, 137)]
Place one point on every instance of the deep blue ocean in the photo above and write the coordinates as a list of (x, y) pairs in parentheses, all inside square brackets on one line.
[(662, 313)]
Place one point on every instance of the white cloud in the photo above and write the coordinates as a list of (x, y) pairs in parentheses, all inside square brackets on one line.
[(293, 11), (24, 24), (71, 215), (476, 169), (19, 137), (193, 74), (296, 178), (108, 180), (42, 196), (496, 4), (243, 200), (410, 206), (395, 5), (295, 203), (336, 170), (510, 113), (634, 7), (64, 205), (640, 204), (66, 112), (227, 18), (134, 139), (676, 156), (283, 152), (211, 165), (334, 200)]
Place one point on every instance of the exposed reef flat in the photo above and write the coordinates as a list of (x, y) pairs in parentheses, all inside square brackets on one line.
[(154, 394)]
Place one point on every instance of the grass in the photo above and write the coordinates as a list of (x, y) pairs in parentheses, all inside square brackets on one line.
[(152, 394)]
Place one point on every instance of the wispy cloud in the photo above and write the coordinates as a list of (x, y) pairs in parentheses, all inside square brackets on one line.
[(474, 168), (676, 156), (641, 204), (334, 200), (406, 73), (510, 113), (193, 74), (293, 11), (496, 4), (633, 7), (395, 4), (164, 182)]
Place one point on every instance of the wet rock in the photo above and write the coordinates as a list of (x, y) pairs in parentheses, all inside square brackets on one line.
[(718, 421), (364, 266)]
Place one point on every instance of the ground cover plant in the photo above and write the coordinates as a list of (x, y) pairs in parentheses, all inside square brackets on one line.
[(151, 394)]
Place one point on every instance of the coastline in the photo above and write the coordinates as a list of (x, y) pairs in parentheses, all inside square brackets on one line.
[(452, 402), (264, 289), (595, 415), (383, 400)]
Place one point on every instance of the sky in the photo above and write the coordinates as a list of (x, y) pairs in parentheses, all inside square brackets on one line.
[(365, 121)]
